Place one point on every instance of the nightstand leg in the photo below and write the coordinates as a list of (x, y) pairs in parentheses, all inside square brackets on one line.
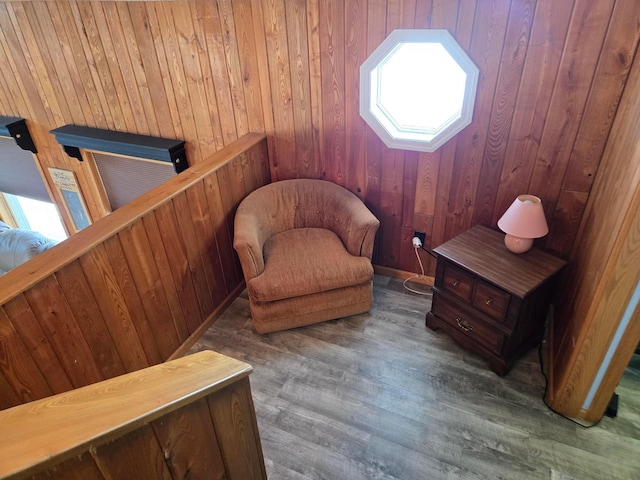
[(429, 322)]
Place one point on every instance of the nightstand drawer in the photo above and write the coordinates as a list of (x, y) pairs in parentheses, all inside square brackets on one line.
[(458, 282), (466, 323), (491, 300)]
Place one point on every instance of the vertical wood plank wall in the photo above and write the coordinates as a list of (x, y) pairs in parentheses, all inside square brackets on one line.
[(605, 272), (168, 69), (551, 75), (133, 289)]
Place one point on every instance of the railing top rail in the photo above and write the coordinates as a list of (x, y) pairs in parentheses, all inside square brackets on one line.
[(45, 432)]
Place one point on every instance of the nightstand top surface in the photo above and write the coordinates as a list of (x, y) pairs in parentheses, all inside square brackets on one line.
[(482, 251)]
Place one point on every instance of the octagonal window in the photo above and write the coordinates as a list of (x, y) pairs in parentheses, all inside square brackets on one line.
[(417, 89)]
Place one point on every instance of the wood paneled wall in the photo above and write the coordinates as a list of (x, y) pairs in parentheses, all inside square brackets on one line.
[(604, 274), (168, 69), (551, 75), (132, 290)]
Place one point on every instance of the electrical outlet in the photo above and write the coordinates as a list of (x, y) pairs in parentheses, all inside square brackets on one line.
[(420, 235)]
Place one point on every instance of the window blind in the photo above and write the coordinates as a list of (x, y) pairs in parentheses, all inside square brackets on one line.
[(20, 175), (126, 178)]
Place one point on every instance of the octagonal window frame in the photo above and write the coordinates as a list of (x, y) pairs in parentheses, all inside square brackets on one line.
[(381, 122)]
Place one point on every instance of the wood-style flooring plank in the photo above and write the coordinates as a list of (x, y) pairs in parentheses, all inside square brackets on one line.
[(379, 395)]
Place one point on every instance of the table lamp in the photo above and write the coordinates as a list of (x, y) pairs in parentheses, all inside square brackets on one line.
[(522, 222)]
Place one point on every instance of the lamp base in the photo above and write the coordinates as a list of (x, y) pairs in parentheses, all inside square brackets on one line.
[(517, 244)]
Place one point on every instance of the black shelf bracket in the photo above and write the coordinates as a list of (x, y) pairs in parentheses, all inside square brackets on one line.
[(73, 152), (16, 128)]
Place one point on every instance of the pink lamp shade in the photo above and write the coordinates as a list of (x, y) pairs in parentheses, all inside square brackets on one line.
[(522, 222)]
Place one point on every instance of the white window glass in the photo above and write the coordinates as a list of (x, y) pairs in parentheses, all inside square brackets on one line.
[(418, 89), (41, 217)]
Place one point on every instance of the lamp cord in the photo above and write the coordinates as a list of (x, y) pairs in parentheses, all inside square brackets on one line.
[(404, 284)]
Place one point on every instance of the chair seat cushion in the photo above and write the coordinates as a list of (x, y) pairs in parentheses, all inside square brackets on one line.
[(305, 261)]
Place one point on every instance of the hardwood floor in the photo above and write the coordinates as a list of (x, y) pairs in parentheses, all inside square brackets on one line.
[(379, 396)]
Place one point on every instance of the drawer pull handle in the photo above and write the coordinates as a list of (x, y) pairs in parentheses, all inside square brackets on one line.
[(489, 301), (456, 283), (464, 325)]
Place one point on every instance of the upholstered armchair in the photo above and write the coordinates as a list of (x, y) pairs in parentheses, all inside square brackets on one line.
[(305, 248)]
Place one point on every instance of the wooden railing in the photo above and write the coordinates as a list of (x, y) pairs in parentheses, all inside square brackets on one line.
[(132, 290), (188, 418)]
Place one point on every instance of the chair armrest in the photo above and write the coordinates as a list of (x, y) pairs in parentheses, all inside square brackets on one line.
[(250, 234), (355, 225)]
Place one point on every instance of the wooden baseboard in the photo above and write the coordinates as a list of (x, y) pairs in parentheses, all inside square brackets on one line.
[(204, 326), (402, 275)]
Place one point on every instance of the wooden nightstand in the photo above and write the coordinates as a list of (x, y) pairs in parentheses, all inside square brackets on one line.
[(492, 301)]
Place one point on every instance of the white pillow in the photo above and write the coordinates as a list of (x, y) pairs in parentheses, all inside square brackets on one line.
[(18, 245)]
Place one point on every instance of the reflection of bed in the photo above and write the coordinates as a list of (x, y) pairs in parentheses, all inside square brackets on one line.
[(18, 245)]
